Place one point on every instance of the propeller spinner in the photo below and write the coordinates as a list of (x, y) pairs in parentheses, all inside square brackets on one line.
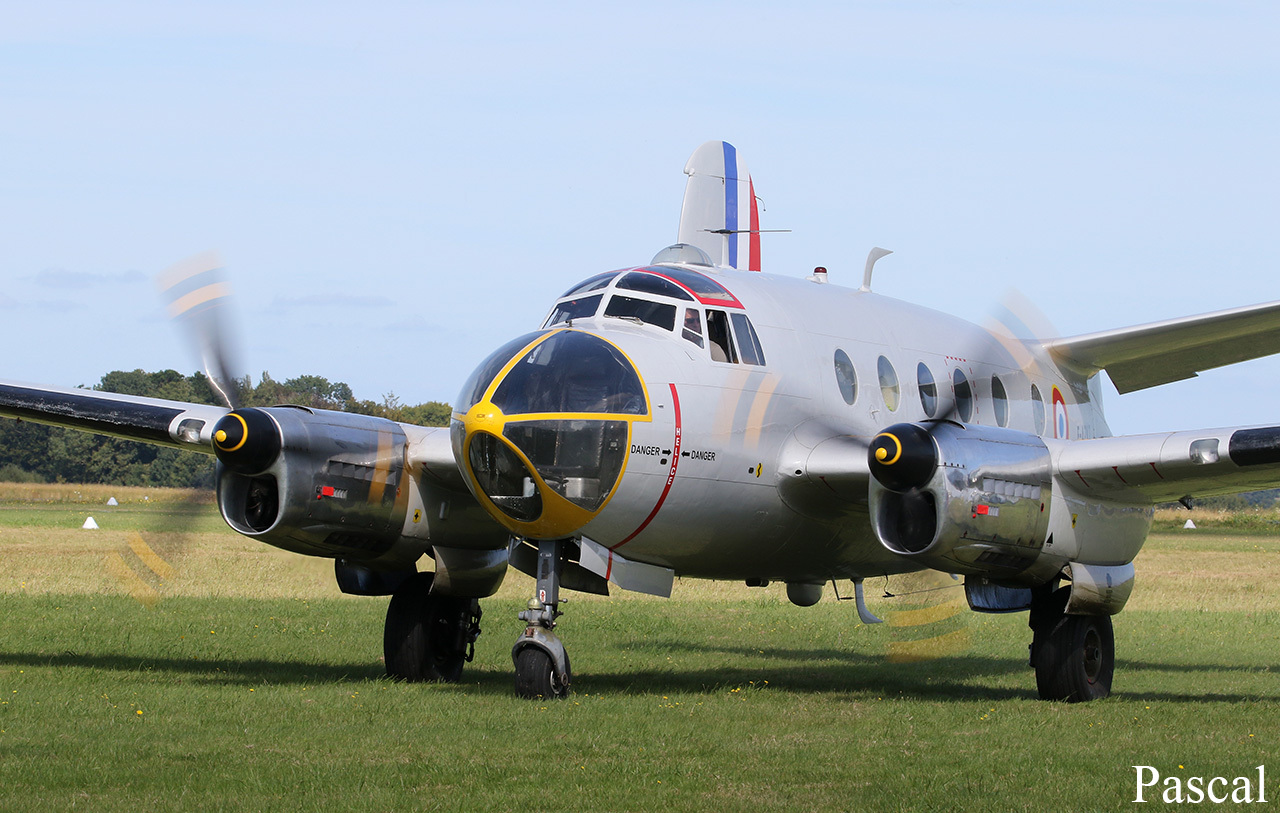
[(903, 457), (247, 441)]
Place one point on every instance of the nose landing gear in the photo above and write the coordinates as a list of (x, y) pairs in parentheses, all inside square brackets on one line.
[(542, 665)]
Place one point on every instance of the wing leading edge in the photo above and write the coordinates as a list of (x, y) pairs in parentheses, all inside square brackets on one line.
[(1169, 466), (151, 420), (1175, 349), (181, 425)]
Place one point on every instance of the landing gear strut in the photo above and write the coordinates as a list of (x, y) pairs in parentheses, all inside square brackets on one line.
[(1073, 655), (429, 637), (542, 665)]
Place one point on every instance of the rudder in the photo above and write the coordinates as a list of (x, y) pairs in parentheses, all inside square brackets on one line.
[(720, 214)]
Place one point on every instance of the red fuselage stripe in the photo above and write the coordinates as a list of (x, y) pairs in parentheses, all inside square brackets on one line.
[(671, 475)]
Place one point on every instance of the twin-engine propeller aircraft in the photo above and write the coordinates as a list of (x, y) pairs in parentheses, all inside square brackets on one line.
[(695, 417)]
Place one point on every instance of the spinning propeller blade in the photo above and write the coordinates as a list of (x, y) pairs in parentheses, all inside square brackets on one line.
[(904, 456), (199, 299)]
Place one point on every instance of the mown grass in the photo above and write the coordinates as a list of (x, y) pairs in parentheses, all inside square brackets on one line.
[(1250, 521), (253, 685)]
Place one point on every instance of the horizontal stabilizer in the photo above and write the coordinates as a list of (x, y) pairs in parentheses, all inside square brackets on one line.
[(720, 213), (1160, 352)]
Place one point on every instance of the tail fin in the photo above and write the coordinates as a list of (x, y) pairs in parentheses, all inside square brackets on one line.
[(720, 214)]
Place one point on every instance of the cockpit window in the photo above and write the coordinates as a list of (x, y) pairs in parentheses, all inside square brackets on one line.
[(580, 308), (504, 478), (718, 335), (593, 284), (579, 460), (473, 390), (572, 372), (748, 342), (650, 284), (746, 351), (654, 313), (707, 290), (693, 326)]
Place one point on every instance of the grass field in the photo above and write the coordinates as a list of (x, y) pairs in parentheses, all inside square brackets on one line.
[(249, 683)]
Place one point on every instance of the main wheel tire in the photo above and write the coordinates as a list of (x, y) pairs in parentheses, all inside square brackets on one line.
[(536, 675), (424, 638), (1075, 659)]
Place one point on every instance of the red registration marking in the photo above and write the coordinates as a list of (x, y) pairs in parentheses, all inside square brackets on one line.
[(671, 476), (981, 510), (325, 491)]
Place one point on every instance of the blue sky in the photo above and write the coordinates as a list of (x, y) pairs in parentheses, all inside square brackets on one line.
[(400, 188)]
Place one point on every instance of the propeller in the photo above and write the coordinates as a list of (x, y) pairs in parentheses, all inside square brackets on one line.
[(904, 457), (199, 299)]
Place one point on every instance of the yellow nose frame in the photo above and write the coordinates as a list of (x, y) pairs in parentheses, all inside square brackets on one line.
[(559, 517)]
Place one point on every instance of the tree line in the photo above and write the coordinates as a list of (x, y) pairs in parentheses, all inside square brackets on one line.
[(35, 453)]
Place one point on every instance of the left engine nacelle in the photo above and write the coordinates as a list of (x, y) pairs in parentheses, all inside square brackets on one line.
[(317, 482), (961, 498)]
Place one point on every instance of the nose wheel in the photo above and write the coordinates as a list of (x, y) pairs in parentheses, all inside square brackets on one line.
[(541, 670), (542, 664)]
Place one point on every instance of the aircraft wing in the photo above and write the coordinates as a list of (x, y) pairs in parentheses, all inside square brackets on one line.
[(431, 452), (1169, 466), (151, 420), (184, 426), (1160, 352)]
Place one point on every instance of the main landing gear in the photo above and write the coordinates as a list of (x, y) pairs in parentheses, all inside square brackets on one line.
[(429, 637), (542, 665), (1073, 655)]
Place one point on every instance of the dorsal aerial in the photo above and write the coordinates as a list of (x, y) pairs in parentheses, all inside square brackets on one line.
[(695, 416)]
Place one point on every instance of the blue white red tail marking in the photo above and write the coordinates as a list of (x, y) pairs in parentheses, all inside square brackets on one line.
[(721, 215)]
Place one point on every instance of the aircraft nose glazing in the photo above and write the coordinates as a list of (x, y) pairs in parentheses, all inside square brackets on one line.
[(546, 430)]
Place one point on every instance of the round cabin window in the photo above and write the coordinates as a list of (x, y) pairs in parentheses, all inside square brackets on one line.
[(846, 377), (888, 383)]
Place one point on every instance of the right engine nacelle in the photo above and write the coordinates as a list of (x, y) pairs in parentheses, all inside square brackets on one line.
[(961, 498)]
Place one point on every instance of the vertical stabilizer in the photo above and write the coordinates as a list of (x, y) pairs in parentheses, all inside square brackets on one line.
[(720, 214)]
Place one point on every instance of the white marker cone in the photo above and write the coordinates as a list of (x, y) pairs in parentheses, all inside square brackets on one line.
[(90, 525), (1190, 525), (112, 501)]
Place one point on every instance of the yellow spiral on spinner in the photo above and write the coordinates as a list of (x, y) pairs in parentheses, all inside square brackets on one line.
[(882, 452)]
